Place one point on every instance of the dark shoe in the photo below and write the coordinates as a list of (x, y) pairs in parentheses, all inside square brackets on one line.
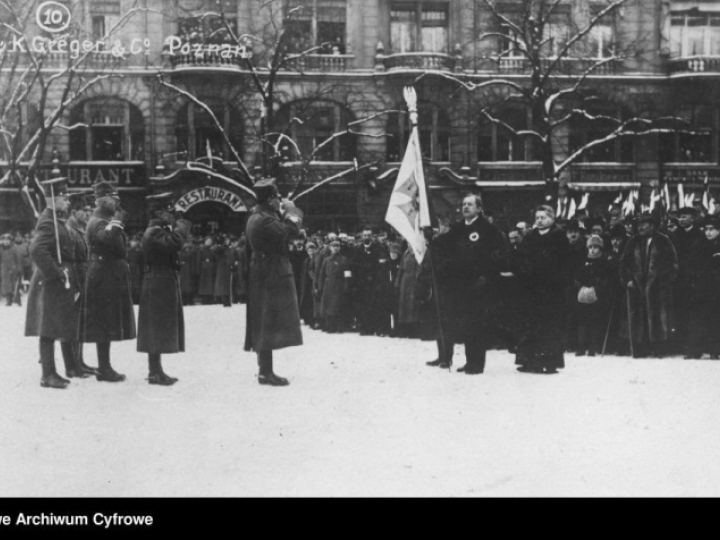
[(714, 357), (109, 376), (169, 378), (157, 378), (445, 365), (462, 369), (272, 380), (88, 369), (591, 353), (472, 371), (527, 369), (76, 374), (580, 353), (54, 381), (693, 356), (434, 363)]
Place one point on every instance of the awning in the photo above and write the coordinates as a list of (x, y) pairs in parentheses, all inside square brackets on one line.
[(603, 186), (510, 183)]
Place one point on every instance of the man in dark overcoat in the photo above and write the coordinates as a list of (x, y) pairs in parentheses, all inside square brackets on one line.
[(161, 326), (648, 268), (468, 261), (370, 259), (273, 319), (53, 308), (80, 211), (108, 313), (206, 283)]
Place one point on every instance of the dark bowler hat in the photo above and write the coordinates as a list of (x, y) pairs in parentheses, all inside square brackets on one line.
[(105, 189), (687, 211), (573, 225), (712, 221), (55, 187), (618, 231), (265, 189), (161, 201)]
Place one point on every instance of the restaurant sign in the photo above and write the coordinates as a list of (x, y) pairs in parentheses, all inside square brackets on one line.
[(210, 194)]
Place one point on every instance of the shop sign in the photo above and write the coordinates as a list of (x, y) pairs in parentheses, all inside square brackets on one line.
[(693, 175), (87, 174), (210, 194), (601, 175), (509, 174)]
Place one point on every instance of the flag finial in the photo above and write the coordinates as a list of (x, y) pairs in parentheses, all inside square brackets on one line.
[(411, 100)]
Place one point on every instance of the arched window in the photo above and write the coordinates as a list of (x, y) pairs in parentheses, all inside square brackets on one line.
[(498, 143), (310, 123), (196, 131), (433, 128), (698, 146), (109, 129)]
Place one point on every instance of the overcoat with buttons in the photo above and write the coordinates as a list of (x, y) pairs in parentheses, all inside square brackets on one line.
[(161, 326), (273, 319), (53, 310), (108, 308)]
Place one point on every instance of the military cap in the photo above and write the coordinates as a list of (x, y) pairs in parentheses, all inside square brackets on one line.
[(161, 201), (105, 189), (310, 245), (78, 200), (265, 189), (618, 231), (395, 248), (55, 187), (335, 243)]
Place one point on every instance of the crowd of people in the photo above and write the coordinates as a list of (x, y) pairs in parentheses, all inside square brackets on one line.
[(16, 266), (645, 285)]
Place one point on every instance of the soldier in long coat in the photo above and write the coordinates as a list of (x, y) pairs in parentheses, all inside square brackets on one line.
[(161, 326), (77, 226), (468, 262), (10, 269), (53, 310), (703, 274), (273, 320), (648, 269), (108, 309), (334, 289)]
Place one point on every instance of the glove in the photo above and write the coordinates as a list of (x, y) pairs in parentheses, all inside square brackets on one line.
[(121, 216)]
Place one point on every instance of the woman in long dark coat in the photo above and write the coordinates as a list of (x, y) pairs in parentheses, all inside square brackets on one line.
[(703, 274), (161, 326), (540, 265), (206, 284), (409, 307), (334, 289), (223, 272)]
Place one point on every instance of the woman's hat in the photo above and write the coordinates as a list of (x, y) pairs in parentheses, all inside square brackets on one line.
[(595, 240)]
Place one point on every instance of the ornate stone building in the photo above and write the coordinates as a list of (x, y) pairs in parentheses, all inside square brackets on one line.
[(142, 133)]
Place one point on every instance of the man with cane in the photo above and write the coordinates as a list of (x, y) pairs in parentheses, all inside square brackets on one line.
[(53, 308)]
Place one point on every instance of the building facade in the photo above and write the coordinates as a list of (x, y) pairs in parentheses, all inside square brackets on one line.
[(180, 106)]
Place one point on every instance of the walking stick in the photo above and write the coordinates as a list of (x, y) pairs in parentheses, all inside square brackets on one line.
[(630, 335), (57, 236), (607, 332)]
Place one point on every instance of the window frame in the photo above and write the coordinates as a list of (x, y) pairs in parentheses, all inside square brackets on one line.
[(435, 130), (316, 19), (417, 8), (187, 130)]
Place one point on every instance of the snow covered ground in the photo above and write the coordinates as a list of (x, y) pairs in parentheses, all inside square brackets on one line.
[(362, 416)]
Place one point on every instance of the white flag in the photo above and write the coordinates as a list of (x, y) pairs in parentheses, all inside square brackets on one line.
[(408, 210)]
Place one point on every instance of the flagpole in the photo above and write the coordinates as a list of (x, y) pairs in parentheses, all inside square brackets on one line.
[(411, 100)]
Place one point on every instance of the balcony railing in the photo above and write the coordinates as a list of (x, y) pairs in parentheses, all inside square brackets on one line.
[(419, 61), (692, 66), (319, 62), (61, 60), (204, 59), (570, 66)]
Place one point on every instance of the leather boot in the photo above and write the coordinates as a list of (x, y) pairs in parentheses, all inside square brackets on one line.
[(81, 361), (50, 378), (72, 370), (105, 371), (156, 375), (266, 375)]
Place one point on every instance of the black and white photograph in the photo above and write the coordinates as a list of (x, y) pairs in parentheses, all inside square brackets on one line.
[(357, 248)]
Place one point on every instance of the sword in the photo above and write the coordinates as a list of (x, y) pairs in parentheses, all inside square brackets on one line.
[(57, 237)]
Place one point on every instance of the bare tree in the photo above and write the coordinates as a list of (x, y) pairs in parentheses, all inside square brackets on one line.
[(275, 48), (554, 60), (40, 77)]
